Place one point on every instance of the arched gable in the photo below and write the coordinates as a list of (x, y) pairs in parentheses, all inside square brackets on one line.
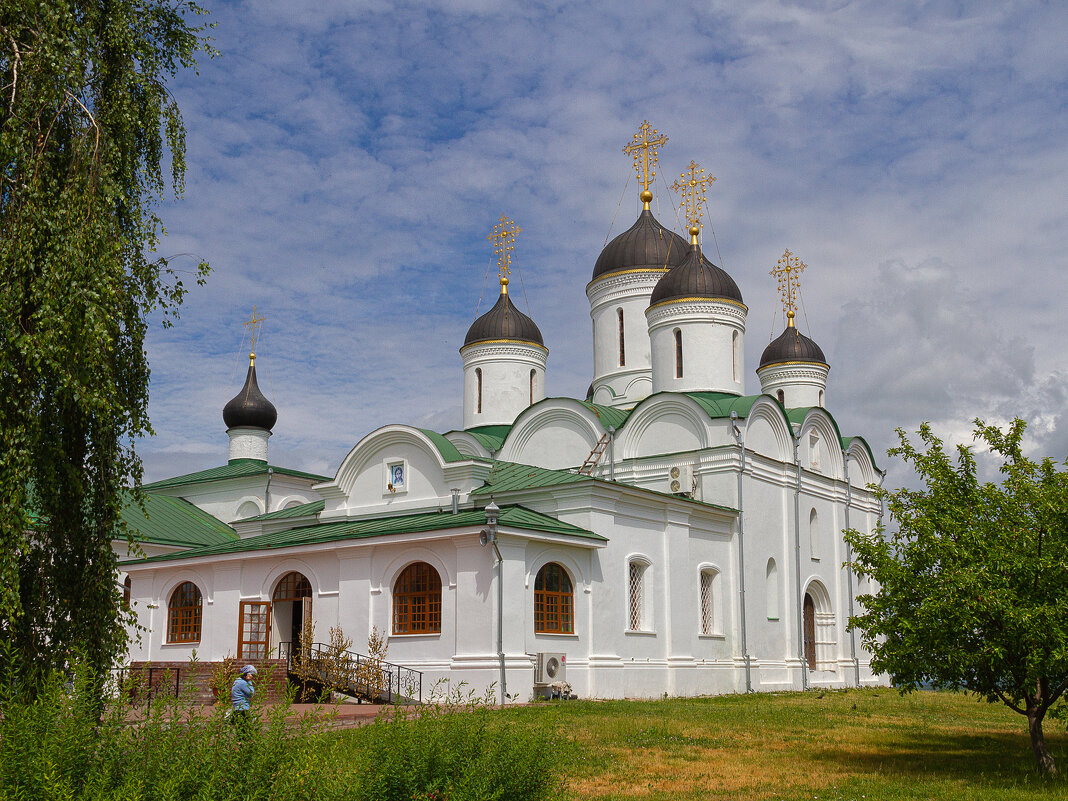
[(820, 444), (555, 433), (665, 423), (767, 431), (467, 444), (862, 469), (365, 476)]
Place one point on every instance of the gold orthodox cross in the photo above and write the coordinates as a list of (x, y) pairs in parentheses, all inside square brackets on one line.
[(692, 185), (643, 148), (503, 237), (254, 323), (788, 273)]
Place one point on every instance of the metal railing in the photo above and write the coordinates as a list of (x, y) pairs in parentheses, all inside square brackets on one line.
[(356, 674)]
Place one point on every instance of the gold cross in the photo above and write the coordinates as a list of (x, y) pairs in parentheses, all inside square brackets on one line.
[(253, 323), (788, 273), (692, 185), (645, 163), (503, 237)]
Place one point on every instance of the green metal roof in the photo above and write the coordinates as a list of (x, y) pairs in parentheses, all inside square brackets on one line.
[(301, 510), (507, 476), (609, 415), (336, 531), (235, 468), (721, 404), (445, 448), (489, 437), (174, 521)]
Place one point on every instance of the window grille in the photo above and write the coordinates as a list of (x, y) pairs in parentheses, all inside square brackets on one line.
[(637, 595), (554, 606), (708, 620), (184, 613), (417, 600)]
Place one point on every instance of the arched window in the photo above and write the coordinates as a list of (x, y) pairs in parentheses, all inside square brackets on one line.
[(292, 587), (554, 603), (478, 379), (533, 375), (678, 353), (708, 601), (810, 631), (771, 590), (127, 589), (814, 534), (734, 353), (781, 396), (636, 618), (622, 349), (821, 398), (417, 600), (183, 613)]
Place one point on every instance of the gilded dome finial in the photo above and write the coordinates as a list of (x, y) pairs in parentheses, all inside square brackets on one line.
[(692, 185), (255, 323), (503, 237), (643, 148), (788, 273)]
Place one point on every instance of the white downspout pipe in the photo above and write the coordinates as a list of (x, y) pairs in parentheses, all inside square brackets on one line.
[(849, 574), (797, 565), (741, 553)]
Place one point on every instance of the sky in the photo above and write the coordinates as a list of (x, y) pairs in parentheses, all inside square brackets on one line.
[(347, 160)]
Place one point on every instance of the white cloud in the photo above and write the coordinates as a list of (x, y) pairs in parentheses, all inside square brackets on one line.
[(348, 160)]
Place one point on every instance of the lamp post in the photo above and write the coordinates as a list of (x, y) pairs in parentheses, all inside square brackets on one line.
[(488, 536)]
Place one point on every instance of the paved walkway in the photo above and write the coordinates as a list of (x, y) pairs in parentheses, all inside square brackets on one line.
[(342, 716)]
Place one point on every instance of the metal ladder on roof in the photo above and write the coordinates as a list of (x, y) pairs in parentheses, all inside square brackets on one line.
[(595, 456)]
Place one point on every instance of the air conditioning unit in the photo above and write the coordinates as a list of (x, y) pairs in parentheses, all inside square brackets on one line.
[(680, 480), (550, 668)]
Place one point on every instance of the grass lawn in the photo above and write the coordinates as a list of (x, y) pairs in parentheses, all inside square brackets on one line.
[(850, 744)]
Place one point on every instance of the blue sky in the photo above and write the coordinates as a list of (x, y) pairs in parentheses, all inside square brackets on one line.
[(348, 159)]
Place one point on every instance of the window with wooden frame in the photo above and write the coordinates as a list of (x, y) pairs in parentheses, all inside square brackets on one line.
[(292, 587), (417, 600), (554, 601), (255, 631), (184, 612)]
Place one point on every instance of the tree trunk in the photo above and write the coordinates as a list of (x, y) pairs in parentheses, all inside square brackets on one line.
[(1038, 742)]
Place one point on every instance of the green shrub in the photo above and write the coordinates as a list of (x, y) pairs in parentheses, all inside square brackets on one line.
[(53, 747)]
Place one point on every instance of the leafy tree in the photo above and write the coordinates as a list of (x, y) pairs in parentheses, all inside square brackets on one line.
[(972, 585), (86, 130)]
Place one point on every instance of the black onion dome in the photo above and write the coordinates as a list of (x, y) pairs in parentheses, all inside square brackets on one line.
[(695, 277), (504, 321), (792, 346), (249, 407), (646, 244)]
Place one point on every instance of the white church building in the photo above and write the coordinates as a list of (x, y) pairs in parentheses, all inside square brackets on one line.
[(669, 533)]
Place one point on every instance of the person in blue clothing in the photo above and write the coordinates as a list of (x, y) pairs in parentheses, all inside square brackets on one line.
[(241, 699)]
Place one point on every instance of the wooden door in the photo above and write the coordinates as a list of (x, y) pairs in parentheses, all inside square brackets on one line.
[(254, 631)]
